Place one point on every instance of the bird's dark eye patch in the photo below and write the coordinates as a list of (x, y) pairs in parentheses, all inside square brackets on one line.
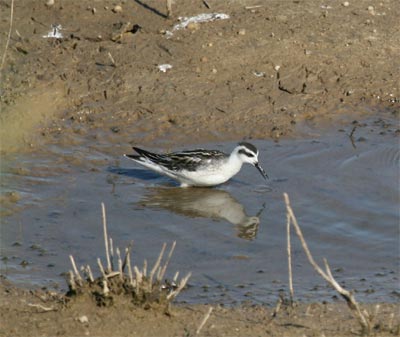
[(248, 154)]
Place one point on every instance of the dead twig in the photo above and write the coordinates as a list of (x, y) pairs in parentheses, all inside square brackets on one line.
[(39, 306), (363, 317), (182, 285), (205, 319), (121, 274), (88, 272), (351, 135), (127, 253), (206, 4), (111, 245), (112, 60), (77, 275), (157, 264), (169, 8), (8, 35), (101, 268), (128, 262), (71, 281), (289, 253), (163, 270), (103, 210)]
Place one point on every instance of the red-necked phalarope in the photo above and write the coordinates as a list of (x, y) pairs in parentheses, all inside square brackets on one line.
[(199, 167)]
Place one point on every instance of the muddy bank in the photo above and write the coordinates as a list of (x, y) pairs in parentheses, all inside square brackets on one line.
[(257, 74), (49, 314)]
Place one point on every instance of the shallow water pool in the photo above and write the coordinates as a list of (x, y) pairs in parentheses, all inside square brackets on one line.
[(344, 192)]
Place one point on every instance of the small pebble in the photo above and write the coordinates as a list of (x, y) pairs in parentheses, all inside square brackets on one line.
[(242, 31), (117, 9), (83, 319), (49, 3), (277, 68), (204, 59), (371, 10), (214, 71), (346, 4)]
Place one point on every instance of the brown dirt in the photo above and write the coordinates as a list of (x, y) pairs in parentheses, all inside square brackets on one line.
[(313, 59), (49, 314), (262, 73)]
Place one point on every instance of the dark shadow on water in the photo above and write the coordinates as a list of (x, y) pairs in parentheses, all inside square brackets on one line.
[(135, 173)]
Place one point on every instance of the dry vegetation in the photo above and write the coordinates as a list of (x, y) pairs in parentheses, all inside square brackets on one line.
[(147, 289)]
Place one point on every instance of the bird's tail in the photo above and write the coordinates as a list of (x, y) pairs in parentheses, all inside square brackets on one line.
[(143, 155)]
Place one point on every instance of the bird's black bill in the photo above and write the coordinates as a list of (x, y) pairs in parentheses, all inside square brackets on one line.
[(263, 173)]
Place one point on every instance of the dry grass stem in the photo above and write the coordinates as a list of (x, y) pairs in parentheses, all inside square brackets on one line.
[(157, 264), (45, 309), (71, 281), (289, 254), (8, 35), (144, 272), (205, 319), (127, 255), (169, 8), (112, 274), (182, 285), (363, 317), (160, 276), (112, 59), (128, 262), (138, 277), (101, 268), (89, 273), (77, 275), (121, 275), (103, 212), (111, 245)]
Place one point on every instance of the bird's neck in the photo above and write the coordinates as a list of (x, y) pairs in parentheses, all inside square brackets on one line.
[(234, 163)]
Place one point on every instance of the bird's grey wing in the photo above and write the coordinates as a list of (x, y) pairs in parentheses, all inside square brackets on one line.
[(193, 159)]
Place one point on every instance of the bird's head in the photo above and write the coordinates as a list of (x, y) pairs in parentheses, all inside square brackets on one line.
[(248, 153)]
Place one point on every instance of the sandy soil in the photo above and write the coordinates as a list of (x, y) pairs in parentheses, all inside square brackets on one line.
[(50, 314), (258, 74), (265, 72)]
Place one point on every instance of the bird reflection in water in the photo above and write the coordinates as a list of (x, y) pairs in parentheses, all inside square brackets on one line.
[(206, 203)]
